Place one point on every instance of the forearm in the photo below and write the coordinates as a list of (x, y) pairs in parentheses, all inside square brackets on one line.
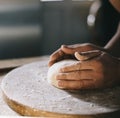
[(113, 46)]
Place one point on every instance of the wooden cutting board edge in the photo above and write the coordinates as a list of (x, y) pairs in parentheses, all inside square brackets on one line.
[(27, 111)]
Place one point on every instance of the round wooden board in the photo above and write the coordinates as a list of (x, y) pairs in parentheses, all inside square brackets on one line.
[(27, 91)]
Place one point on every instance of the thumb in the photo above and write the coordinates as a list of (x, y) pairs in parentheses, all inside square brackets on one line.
[(82, 56)]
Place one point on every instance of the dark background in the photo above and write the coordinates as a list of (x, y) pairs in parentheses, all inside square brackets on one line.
[(34, 28)]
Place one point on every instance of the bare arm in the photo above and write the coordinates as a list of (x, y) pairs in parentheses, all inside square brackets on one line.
[(113, 46)]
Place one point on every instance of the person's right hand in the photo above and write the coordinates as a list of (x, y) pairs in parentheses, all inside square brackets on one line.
[(100, 72), (68, 51)]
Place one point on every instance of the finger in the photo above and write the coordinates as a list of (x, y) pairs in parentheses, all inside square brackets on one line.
[(77, 75), (77, 67), (82, 56), (82, 84), (50, 63), (71, 49), (56, 56)]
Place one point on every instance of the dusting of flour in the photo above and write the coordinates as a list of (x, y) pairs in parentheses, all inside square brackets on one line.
[(28, 85)]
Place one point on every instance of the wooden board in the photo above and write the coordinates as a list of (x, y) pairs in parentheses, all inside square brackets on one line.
[(27, 91)]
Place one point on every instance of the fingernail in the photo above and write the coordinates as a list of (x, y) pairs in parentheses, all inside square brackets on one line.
[(61, 70), (80, 57)]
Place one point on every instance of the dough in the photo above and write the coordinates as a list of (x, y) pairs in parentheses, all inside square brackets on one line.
[(54, 70)]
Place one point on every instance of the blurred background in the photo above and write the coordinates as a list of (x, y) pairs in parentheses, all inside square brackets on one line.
[(38, 27)]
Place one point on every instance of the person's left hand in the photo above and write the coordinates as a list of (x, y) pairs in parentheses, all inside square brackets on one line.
[(99, 72)]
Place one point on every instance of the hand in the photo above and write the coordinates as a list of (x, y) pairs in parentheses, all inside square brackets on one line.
[(100, 72), (67, 52)]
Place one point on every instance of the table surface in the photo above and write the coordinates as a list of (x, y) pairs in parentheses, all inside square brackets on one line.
[(5, 67)]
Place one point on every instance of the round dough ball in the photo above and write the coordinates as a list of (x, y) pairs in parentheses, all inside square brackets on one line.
[(54, 70)]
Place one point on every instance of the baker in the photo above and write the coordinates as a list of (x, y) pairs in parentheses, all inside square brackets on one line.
[(99, 69)]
